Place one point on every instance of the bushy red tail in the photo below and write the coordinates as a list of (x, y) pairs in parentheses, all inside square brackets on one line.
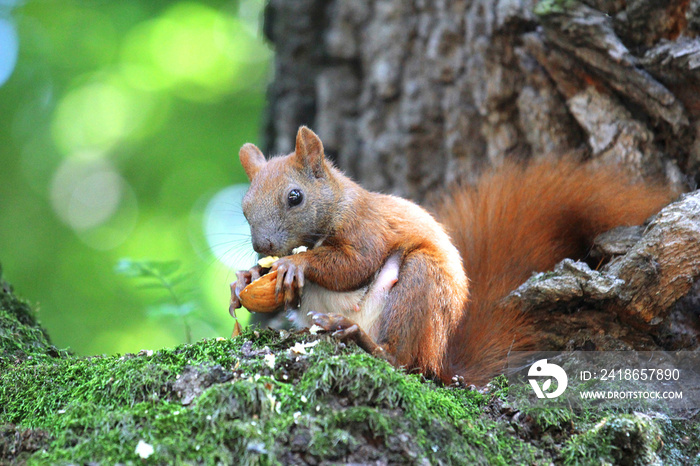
[(519, 219)]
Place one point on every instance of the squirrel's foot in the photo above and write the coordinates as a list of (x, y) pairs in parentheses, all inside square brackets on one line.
[(345, 329), (342, 327), (457, 381)]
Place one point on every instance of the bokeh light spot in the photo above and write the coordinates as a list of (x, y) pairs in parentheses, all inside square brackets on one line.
[(103, 113), (94, 200), (194, 51), (9, 46), (226, 229), (92, 117)]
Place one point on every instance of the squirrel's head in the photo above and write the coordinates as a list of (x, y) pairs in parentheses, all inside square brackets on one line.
[(292, 199)]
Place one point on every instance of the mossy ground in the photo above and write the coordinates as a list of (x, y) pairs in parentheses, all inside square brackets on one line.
[(269, 398)]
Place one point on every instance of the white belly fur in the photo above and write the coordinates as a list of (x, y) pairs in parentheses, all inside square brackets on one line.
[(363, 306), (319, 299)]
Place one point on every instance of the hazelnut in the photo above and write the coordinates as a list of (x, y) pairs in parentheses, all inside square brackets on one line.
[(259, 296)]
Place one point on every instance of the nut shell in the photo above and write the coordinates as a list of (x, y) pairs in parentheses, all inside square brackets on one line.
[(259, 296)]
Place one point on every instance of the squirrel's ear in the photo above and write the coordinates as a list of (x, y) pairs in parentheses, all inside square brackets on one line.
[(251, 159), (309, 151)]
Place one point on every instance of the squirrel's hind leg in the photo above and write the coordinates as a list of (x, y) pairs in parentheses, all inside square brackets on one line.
[(345, 329), (420, 312)]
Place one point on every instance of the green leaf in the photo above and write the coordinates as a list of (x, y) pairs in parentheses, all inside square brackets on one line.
[(146, 268), (152, 286), (183, 277), (171, 310), (164, 268), (129, 267)]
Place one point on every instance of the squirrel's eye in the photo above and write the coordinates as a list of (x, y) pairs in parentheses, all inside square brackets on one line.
[(294, 197)]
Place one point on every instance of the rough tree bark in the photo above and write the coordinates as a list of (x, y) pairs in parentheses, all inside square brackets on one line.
[(411, 95)]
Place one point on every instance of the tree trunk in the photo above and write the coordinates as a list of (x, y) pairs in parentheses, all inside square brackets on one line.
[(410, 95)]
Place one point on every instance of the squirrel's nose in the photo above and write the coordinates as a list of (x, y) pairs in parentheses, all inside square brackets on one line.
[(263, 246)]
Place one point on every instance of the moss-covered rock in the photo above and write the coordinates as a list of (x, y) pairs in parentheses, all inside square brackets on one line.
[(260, 398), (547, 7), (284, 398), (629, 439), (21, 337)]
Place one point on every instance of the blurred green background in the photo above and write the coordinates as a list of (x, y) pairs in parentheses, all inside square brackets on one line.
[(120, 124)]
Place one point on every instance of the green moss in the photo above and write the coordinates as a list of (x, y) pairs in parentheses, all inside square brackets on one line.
[(21, 337), (632, 439), (271, 398), (327, 403), (681, 441)]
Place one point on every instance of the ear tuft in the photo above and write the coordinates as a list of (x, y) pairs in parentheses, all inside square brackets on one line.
[(309, 151), (252, 160)]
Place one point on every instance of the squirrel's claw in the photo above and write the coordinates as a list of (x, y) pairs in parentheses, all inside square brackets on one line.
[(331, 322), (347, 333), (235, 302), (243, 279), (290, 279)]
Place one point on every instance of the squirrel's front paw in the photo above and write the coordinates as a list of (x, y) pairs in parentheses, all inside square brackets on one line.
[(243, 279), (290, 278)]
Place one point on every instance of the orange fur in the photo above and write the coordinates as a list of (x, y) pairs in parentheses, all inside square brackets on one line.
[(521, 219)]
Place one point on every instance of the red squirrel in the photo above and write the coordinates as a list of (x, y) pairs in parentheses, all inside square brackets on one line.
[(382, 271)]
